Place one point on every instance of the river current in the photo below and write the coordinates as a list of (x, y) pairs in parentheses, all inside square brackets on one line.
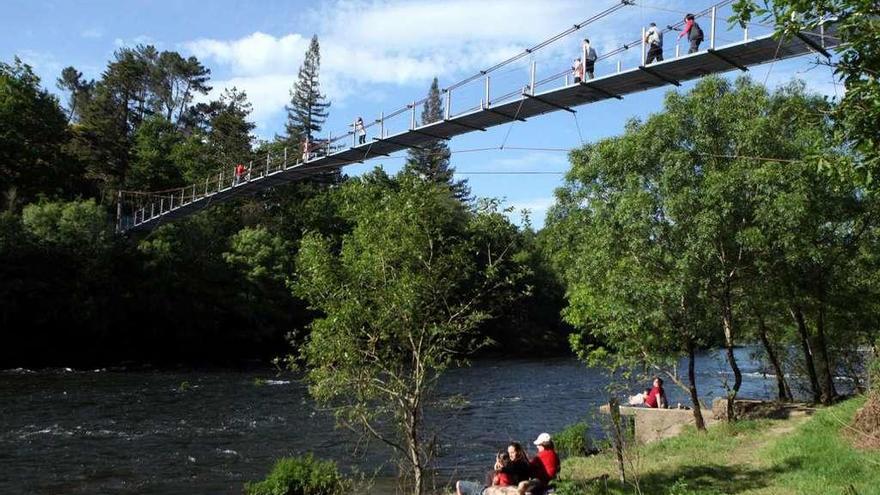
[(144, 432)]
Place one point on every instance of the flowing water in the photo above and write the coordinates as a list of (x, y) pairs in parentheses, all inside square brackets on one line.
[(127, 432)]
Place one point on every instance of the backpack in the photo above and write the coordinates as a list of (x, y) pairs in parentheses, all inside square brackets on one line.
[(696, 32)]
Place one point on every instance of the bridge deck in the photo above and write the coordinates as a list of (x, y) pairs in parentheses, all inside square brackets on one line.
[(736, 56)]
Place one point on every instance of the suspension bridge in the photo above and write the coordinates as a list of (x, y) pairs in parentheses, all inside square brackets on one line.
[(556, 92)]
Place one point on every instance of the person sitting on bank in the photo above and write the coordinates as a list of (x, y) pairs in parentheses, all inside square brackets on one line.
[(656, 397), (500, 479), (639, 399), (518, 469), (543, 467)]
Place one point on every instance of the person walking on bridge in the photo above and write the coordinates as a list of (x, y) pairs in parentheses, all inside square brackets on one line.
[(239, 173), (590, 58), (654, 40), (693, 32), (577, 70), (360, 130)]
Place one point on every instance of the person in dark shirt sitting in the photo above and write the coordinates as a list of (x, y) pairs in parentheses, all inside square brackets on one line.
[(518, 469)]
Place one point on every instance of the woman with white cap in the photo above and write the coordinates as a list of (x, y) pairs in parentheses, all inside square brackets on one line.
[(543, 467)]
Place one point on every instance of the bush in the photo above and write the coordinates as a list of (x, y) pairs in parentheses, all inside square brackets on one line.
[(574, 440), (303, 475)]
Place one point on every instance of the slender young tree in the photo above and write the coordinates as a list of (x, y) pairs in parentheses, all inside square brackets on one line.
[(308, 107), (431, 161)]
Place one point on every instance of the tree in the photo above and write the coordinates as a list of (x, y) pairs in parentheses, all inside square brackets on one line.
[(33, 131), (431, 161), (308, 107), (230, 130), (399, 306), (151, 167), (857, 25), (179, 79), (630, 287), (79, 92)]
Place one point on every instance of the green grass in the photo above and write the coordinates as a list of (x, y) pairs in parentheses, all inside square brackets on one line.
[(797, 456)]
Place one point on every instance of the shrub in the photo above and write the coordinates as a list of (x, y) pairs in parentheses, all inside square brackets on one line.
[(574, 440), (303, 475)]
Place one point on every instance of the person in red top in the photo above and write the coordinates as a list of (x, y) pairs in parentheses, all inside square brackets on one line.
[(239, 173), (656, 398), (543, 467), (693, 32), (500, 479)]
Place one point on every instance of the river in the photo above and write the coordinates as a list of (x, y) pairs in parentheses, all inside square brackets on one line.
[(162, 432)]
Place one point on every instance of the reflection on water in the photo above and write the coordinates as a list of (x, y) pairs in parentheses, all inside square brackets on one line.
[(208, 432)]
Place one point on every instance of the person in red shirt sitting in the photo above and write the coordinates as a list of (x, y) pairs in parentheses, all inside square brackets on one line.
[(656, 397), (543, 467), (500, 480)]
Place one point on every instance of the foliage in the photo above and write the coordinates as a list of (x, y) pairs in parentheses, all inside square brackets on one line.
[(857, 25), (81, 226), (574, 440), (33, 130), (400, 296), (303, 475)]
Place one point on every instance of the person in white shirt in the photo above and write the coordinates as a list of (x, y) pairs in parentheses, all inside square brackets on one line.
[(654, 39)]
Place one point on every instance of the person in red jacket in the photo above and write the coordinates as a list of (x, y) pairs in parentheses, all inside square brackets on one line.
[(543, 467), (693, 32), (656, 397), (240, 170)]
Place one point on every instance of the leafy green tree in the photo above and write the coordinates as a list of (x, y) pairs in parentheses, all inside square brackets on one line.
[(152, 167), (399, 306), (79, 90), (33, 131), (630, 286), (431, 161), (230, 130), (179, 80), (308, 107), (857, 24)]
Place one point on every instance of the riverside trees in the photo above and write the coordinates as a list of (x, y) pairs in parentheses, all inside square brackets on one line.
[(401, 296), (674, 231)]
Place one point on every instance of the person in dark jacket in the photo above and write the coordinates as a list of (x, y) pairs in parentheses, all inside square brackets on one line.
[(518, 469), (693, 32)]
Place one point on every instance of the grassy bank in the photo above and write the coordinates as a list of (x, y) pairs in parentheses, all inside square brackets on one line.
[(796, 456)]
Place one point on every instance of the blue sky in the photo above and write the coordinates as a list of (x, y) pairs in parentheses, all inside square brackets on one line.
[(378, 55)]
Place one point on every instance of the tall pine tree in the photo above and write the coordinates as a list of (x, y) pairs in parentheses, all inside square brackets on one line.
[(308, 108), (431, 162)]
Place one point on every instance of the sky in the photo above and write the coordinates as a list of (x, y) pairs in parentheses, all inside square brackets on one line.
[(380, 55)]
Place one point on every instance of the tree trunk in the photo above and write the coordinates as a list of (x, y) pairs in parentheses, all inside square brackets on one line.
[(829, 394), (727, 323), (616, 420), (782, 385), (798, 315), (692, 388)]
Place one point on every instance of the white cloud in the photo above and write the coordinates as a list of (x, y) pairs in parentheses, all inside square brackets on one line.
[(386, 42), (92, 33)]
